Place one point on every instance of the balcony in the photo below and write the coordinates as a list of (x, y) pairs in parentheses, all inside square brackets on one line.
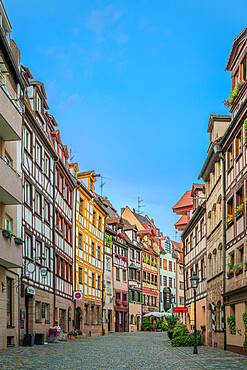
[(11, 109), (10, 184), (10, 253)]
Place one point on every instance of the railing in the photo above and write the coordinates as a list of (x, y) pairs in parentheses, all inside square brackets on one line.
[(7, 164), (11, 93)]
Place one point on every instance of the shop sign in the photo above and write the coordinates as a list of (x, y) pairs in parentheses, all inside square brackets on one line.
[(30, 290), (180, 309)]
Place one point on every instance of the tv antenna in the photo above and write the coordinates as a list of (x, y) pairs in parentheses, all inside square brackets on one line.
[(139, 206), (102, 183), (71, 157)]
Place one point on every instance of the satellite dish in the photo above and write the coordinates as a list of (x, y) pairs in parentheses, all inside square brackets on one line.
[(31, 267)]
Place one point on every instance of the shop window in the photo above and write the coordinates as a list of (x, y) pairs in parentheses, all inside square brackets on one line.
[(9, 302)]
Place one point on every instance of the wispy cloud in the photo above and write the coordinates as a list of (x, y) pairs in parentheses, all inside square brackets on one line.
[(145, 25), (71, 101), (99, 20)]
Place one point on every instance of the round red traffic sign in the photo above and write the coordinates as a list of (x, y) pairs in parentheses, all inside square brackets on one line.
[(77, 295)]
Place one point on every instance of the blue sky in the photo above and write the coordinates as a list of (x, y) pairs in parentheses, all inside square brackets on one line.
[(131, 85)]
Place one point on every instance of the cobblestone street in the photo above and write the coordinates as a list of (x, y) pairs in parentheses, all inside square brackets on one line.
[(116, 351)]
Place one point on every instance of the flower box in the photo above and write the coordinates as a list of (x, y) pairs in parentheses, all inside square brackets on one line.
[(121, 235), (125, 303), (149, 261), (118, 255), (144, 259), (144, 280), (6, 234), (125, 259), (148, 281), (229, 274), (235, 92), (118, 302)]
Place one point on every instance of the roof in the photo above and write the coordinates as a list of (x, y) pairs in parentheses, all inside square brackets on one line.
[(27, 70), (85, 173), (233, 51), (218, 117), (183, 202), (108, 206), (113, 220), (181, 222), (143, 220)]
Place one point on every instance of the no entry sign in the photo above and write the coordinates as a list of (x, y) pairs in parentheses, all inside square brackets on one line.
[(180, 309), (78, 294)]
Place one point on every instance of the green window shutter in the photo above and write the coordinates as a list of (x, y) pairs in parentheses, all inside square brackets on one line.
[(129, 296), (129, 319), (136, 320), (135, 296), (141, 298)]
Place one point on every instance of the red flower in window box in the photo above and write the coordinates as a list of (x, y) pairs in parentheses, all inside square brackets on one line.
[(118, 255), (123, 236), (118, 302), (125, 259), (125, 303)]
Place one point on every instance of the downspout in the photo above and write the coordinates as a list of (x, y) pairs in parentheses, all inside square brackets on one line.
[(75, 200), (53, 238), (184, 278), (224, 243)]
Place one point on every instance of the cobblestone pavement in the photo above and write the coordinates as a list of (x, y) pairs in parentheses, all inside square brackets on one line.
[(117, 351)]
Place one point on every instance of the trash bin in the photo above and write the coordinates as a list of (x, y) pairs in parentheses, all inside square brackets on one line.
[(39, 339), (28, 340)]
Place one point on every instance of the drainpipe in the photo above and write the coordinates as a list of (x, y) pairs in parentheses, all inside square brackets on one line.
[(75, 200), (218, 149), (184, 278), (53, 238)]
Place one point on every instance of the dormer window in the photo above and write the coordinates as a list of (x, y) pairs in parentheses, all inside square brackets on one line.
[(38, 103)]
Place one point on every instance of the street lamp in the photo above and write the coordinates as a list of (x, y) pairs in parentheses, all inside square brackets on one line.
[(194, 284), (172, 302)]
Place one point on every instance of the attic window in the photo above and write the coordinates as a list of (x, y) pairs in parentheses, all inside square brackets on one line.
[(38, 103)]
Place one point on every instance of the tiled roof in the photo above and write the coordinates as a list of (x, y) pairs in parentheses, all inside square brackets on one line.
[(184, 201), (182, 221), (141, 219), (85, 173)]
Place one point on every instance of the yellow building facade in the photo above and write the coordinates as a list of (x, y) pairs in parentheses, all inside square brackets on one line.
[(89, 253)]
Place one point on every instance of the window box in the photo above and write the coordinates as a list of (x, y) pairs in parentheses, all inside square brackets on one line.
[(145, 280), (229, 274), (229, 102), (149, 262), (6, 234), (47, 322), (125, 303), (118, 255), (144, 259), (118, 302), (121, 235), (238, 268), (125, 259), (230, 223)]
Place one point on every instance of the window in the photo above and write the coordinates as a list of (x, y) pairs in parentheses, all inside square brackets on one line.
[(91, 185), (124, 297), (155, 279), (150, 242), (170, 282), (239, 197), (131, 254), (181, 300), (138, 296), (8, 160), (210, 266), (93, 280), (196, 235), (27, 193), (107, 263), (37, 312), (148, 277), (239, 144), (124, 275), (61, 183), (229, 157), (170, 265), (46, 211), (108, 287), (148, 300), (80, 275), (174, 282), (38, 251), (47, 257), (8, 223), (174, 266), (191, 241), (85, 314), (99, 223), (165, 264), (99, 285), (27, 140), (80, 207), (47, 166), (38, 103), (94, 217), (9, 302), (181, 285), (38, 154), (28, 246), (91, 314), (230, 207), (202, 269), (138, 256), (93, 250), (181, 270), (97, 315), (165, 280), (117, 274), (98, 252), (202, 229), (244, 69), (118, 296), (37, 203)]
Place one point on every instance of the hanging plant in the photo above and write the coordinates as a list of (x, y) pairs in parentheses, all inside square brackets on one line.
[(244, 317), (108, 240), (231, 322), (228, 103)]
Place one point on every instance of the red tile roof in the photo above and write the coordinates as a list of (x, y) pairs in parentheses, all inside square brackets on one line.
[(184, 202), (182, 222)]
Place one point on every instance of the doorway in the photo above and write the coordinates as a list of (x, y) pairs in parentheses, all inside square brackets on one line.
[(26, 308), (109, 320), (78, 318)]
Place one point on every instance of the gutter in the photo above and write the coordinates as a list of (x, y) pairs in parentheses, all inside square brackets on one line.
[(102, 282), (74, 285), (53, 237)]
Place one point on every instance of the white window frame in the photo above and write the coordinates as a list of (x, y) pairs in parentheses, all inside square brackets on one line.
[(46, 210), (37, 203), (47, 257), (38, 251), (28, 251), (47, 165), (27, 140), (27, 192), (38, 154)]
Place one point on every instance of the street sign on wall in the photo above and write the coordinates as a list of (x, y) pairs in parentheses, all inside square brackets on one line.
[(78, 294), (180, 309)]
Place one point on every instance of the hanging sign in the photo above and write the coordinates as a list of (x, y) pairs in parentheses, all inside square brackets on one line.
[(180, 309)]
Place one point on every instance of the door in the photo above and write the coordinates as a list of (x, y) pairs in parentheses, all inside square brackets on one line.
[(62, 314), (109, 320), (78, 318), (26, 307)]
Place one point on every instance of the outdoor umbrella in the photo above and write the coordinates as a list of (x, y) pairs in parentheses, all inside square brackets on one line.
[(158, 314)]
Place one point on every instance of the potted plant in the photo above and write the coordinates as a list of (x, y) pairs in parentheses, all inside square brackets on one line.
[(79, 334), (123, 236), (118, 255), (149, 261), (228, 103), (125, 303), (231, 323), (6, 233), (72, 334), (144, 259), (108, 240), (125, 259), (229, 220), (18, 240), (239, 210)]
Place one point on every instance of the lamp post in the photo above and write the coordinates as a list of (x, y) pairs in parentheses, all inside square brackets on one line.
[(172, 302), (194, 284)]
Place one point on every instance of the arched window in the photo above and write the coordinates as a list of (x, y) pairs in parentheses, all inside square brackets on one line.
[(220, 251), (209, 222), (219, 316), (215, 262), (214, 221), (132, 319)]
